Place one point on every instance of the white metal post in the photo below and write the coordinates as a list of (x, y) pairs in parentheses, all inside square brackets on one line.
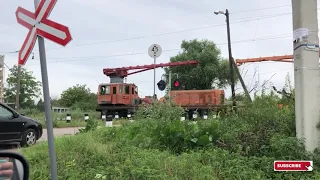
[(154, 77)]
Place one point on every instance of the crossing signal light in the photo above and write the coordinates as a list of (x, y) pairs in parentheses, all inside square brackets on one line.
[(161, 85), (176, 83)]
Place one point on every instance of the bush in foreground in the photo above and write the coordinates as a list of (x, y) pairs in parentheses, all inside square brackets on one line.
[(86, 156), (238, 146)]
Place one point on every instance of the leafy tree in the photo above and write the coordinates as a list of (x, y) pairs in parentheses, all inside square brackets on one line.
[(212, 71), (55, 102), (79, 96), (40, 105), (30, 88)]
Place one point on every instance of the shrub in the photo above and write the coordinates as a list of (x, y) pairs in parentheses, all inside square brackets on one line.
[(160, 146), (175, 136), (159, 111), (256, 125), (77, 159), (90, 126)]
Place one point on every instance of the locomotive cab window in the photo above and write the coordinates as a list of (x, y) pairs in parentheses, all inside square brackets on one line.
[(132, 92), (127, 89), (120, 89), (114, 90), (136, 90), (104, 89)]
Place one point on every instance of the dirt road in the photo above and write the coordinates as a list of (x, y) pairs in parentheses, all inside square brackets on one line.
[(56, 131), (60, 132)]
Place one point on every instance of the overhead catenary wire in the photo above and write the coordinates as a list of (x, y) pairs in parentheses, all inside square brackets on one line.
[(285, 35), (139, 53), (71, 59), (268, 72), (261, 17), (162, 34), (255, 18), (259, 9), (166, 50), (172, 32), (186, 30)]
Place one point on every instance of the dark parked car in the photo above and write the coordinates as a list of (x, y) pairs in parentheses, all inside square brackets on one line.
[(15, 127)]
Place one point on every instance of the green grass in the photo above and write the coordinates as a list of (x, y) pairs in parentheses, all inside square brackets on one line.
[(159, 146), (79, 123), (76, 121), (88, 155), (64, 124), (77, 118), (79, 160)]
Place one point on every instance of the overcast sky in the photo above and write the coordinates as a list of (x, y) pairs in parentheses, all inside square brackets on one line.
[(116, 33)]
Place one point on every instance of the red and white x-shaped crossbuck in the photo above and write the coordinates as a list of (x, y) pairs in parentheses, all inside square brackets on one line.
[(38, 24)]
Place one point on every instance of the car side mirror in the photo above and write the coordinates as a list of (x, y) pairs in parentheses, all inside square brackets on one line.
[(15, 115), (13, 166)]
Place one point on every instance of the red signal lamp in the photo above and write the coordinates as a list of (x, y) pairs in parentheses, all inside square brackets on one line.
[(176, 83)]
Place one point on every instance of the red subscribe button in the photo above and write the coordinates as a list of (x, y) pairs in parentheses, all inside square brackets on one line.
[(293, 165)]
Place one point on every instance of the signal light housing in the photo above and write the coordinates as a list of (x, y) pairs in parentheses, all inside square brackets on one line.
[(176, 83), (161, 85)]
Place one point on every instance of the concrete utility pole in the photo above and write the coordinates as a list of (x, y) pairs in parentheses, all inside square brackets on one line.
[(230, 60), (306, 71), (232, 64), (17, 107)]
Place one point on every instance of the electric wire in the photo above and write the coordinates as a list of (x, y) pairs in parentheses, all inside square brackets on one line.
[(159, 34), (70, 59), (168, 33), (172, 32), (259, 9)]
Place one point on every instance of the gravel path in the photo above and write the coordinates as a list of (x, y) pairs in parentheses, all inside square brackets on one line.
[(56, 131), (60, 132)]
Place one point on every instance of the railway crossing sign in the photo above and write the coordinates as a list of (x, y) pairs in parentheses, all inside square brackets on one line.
[(39, 24), (41, 27), (155, 51)]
